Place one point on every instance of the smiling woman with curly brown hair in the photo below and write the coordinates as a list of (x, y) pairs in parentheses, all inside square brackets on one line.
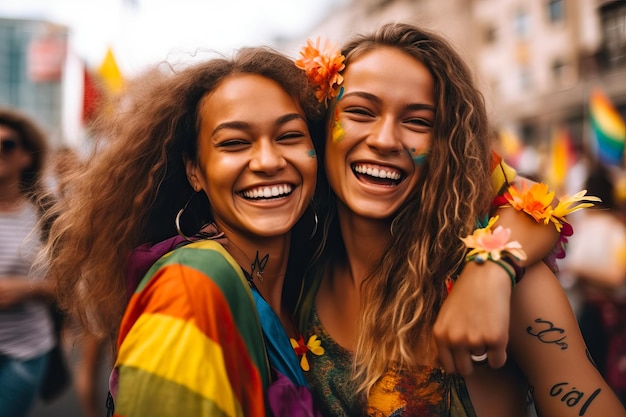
[(177, 235)]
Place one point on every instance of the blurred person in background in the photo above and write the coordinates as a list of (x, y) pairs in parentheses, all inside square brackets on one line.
[(91, 349), (596, 264), (26, 328)]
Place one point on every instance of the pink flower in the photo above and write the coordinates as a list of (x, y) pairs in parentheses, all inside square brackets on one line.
[(487, 244)]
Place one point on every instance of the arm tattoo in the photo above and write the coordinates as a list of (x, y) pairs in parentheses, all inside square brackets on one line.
[(548, 333), (571, 396)]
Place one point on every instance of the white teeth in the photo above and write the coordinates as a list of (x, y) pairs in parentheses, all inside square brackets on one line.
[(375, 172), (268, 192)]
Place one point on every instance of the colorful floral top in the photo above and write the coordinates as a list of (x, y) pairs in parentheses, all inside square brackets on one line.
[(426, 392)]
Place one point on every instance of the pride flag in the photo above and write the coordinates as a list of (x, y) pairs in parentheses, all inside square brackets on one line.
[(607, 128)]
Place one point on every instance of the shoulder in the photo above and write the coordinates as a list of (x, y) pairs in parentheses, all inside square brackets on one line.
[(194, 282), (198, 264)]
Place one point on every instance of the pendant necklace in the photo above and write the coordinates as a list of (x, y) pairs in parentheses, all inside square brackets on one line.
[(257, 267)]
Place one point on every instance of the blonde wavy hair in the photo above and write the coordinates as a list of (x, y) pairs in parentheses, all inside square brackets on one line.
[(402, 296), (133, 185)]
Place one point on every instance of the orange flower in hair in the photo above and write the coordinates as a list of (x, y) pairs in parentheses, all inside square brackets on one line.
[(322, 66)]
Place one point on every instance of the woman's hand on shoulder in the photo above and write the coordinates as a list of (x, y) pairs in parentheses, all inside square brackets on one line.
[(474, 319)]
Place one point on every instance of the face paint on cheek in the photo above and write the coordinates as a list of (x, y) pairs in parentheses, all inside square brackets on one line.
[(311, 153), (340, 94), (418, 157), (337, 132)]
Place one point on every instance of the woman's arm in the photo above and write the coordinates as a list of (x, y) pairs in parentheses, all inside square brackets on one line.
[(17, 289), (475, 316), (546, 343)]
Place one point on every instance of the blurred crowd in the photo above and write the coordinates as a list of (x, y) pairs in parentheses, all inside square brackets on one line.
[(40, 359)]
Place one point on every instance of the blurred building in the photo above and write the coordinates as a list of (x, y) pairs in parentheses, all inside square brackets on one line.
[(32, 57), (540, 59), (535, 60)]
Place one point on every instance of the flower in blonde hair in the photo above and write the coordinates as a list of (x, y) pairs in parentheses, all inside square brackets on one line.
[(322, 66)]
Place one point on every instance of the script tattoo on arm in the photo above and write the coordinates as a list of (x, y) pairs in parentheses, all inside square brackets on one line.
[(548, 333), (571, 396)]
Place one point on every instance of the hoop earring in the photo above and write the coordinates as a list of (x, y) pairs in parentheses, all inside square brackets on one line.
[(179, 215), (314, 225)]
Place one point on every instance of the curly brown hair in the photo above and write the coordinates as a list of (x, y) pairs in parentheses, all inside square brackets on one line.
[(135, 182), (405, 291)]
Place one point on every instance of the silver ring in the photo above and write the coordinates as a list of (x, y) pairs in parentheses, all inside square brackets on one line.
[(479, 358)]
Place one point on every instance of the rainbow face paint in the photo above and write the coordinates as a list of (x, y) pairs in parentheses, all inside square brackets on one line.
[(337, 133), (340, 94), (418, 157)]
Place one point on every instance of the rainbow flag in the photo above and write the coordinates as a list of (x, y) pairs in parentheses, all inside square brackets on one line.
[(191, 342), (607, 128)]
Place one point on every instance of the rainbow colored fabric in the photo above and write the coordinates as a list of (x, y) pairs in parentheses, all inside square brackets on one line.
[(608, 129), (190, 342)]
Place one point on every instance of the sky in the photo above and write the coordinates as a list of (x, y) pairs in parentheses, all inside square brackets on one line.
[(142, 32)]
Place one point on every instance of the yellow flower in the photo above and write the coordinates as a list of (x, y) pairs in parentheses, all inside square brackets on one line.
[(569, 204), (322, 66), (313, 345)]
